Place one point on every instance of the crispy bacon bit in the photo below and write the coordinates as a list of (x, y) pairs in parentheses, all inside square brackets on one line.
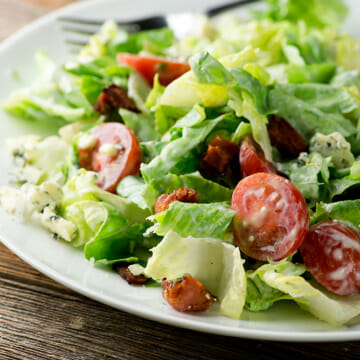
[(122, 269), (285, 138), (187, 295), (184, 195), (85, 158), (221, 160), (219, 154), (114, 97)]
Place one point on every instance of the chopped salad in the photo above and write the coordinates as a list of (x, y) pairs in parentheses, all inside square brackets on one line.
[(223, 166)]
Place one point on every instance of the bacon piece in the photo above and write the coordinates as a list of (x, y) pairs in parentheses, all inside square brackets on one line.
[(184, 195), (285, 138), (122, 268), (114, 97), (219, 154), (187, 295)]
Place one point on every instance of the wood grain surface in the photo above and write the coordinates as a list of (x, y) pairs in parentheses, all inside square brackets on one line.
[(41, 319)]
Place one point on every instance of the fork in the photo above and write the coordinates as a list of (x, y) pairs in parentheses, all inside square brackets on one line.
[(84, 28)]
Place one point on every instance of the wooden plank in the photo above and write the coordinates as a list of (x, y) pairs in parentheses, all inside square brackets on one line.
[(49, 4), (41, 319)]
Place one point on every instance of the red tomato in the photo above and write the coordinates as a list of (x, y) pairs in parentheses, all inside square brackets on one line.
[(112, 168), (272, 218), (187, 295), (252, 159), (148, 66), (331, 252)]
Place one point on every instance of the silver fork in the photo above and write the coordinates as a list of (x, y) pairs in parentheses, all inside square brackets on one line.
[(83, 28)]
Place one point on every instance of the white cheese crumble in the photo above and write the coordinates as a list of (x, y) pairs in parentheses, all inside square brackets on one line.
[(136, 269), (57, 224), (87, 141), (110, 149), (333, 145)]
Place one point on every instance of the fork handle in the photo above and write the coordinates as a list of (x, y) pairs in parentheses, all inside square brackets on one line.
[(219, 9)]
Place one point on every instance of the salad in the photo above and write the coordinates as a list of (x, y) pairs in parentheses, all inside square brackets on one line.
[(223, 166)]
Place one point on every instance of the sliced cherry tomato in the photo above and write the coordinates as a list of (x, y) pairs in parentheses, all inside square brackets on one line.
[(271, 218), (123, 159), (252, 159), (148, 66), (331, 252), (187, 295)]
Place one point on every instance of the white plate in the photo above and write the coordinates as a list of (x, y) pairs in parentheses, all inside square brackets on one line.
[(66, 265)]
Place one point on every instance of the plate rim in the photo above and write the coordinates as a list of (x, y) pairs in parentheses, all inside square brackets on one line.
[(123, 305)]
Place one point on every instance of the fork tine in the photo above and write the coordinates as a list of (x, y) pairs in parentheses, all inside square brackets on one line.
[(94, 25), (75, 20), (74, 42), (76, 30)]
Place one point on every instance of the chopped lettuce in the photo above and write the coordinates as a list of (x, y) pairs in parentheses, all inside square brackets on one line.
[(142, 125), (313, 108), (183, 155), (259, 295), (107, 224), (198, 220), (132, 187), (207, 190), (218, 266), (247, 96), (315, 13), (333, 309), (310, 174), (347, 211)]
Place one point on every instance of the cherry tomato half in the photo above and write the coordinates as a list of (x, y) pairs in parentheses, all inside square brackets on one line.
[(252, 159), (123, 159), (331, 252), (148, 66), (272, 218)]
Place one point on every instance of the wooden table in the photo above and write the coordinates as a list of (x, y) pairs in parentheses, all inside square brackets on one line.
[(41, 319)]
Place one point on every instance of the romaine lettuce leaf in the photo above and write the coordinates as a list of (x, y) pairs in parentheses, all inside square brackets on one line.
[(259, 295), (83, 187), (347, 211), (307, 112), (247, 96), (296, 74), (218, 266), (315, 13), (310, 174), (153, 41), (183, 155), (198, 220), (207, 190), (333, 309), (132, 187), (142, 125)]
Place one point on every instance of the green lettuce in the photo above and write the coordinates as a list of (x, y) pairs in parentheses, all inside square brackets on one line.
[(107, 224), (141, 124), (207, 190), (333, 309), (247, 96), (310, 174), (347, 211), (313, 108), (315, 13), (183, 154), (259, 295), (218, 266), (132, 187), (198, 220)]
